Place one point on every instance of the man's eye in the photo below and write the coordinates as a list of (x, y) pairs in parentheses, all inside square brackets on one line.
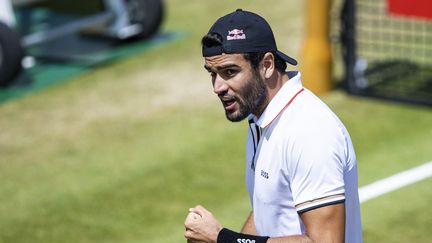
[(230, 72)]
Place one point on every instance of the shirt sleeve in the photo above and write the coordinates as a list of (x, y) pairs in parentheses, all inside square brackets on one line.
[(316, 165)]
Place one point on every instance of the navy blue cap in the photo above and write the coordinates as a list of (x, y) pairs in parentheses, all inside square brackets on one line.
[(242, 32)]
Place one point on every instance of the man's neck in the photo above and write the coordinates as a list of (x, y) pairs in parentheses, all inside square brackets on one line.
[(274, 84)]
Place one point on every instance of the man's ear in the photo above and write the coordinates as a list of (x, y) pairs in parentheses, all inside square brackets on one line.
[(268, 62)]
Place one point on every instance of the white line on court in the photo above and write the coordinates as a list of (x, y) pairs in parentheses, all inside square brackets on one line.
[(394, 182)]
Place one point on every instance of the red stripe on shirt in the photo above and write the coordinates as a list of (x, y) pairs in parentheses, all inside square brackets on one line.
[(289, 102)]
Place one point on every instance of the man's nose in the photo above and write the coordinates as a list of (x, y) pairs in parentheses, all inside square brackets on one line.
[(219, 85)]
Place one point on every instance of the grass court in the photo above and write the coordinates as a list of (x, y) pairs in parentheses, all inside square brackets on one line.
[(120, 153)]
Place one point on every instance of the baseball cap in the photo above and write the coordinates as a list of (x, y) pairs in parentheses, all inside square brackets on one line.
[(241, 32)]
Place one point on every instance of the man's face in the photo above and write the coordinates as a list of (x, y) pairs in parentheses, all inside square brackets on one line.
[(240, 88)]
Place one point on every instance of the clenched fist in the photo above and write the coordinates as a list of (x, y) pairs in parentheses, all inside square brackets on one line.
[(201, 226)]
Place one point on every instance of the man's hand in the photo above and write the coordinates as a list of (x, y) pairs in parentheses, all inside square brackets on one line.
[(201, 226)]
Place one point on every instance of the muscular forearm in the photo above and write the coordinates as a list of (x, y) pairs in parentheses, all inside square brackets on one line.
[(291, 239), (249, 226)]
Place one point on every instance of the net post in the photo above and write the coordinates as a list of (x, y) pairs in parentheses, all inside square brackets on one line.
[(348, 28), (316, 58)]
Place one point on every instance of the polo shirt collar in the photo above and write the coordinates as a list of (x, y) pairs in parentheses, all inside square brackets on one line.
[(280, 101)]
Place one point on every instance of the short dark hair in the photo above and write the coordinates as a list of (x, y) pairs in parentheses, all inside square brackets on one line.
[(254, 58)]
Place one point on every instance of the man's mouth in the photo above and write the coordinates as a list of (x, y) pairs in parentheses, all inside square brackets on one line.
[(228, 103)]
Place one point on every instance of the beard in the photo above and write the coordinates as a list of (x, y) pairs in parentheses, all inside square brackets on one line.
[(250, 98)]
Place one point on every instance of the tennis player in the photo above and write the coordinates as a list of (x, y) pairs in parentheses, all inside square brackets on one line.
[(301, 169)]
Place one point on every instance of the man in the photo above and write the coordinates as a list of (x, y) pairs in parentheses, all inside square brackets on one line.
[(301, 171)]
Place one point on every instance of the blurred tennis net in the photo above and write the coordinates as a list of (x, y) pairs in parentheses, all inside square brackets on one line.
[(387, 49)]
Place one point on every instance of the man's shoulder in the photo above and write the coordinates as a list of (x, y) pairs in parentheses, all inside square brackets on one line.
[(308, 112), (310, 121)]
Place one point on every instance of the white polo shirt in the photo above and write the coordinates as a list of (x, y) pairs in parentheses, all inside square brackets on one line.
[(299, 157)]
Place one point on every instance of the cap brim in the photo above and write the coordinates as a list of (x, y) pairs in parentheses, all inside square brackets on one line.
[(286, 58)]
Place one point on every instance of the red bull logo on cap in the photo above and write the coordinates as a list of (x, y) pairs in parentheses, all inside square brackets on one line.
[(236, 34)]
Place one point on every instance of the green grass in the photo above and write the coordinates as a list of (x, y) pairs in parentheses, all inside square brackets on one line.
[(127, 189), (401, 216), (119, 154), (388, 137)]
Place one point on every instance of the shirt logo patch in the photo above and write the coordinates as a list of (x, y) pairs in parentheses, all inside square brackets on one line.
[(236, 34), (264, 174)]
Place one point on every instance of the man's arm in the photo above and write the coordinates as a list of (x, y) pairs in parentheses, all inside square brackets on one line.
[(325, 224), (249, 225)]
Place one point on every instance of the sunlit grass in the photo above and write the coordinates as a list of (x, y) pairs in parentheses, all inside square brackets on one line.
[(119, 154)]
